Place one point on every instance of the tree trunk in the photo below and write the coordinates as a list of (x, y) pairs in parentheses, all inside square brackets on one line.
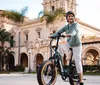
[(1, 62)]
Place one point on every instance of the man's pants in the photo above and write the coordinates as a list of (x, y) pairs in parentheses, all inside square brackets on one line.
[(64, 49)]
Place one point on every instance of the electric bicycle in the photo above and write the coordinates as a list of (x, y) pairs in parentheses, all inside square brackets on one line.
[(49, 69)]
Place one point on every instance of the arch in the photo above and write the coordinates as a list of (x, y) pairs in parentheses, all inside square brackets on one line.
[(39, 59), (91, 55), (24, 60), (87, 49), (11, 62)]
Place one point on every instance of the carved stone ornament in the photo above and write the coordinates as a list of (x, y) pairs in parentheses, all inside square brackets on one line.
[(26, 32)]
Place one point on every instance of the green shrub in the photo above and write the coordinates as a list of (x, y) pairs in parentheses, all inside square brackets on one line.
[(93, 68), (19, 68)]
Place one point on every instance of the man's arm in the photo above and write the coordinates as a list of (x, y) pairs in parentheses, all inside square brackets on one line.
[(59, 32)]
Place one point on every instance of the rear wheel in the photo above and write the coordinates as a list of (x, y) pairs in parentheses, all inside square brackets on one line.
[(47, 73)]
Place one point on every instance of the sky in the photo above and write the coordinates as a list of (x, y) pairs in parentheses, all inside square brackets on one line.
[(88, 11)]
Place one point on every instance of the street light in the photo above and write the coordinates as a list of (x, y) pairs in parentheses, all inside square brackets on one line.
[(19, 33)]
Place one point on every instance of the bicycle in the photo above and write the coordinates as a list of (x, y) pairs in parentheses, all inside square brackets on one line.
[(47, 73)]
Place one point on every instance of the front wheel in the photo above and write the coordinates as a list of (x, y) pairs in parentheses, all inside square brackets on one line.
[(47, 73)]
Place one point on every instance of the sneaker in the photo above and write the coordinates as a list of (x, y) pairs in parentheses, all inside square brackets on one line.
[(81, 83)]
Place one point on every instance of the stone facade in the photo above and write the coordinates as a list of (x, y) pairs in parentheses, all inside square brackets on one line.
[(34, 42)]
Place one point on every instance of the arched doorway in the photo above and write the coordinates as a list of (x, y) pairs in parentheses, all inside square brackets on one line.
[(24, 60), (39, 60), (11, 62), (92, 57)]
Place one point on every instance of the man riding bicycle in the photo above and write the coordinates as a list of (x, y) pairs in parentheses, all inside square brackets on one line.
[(73, 41)]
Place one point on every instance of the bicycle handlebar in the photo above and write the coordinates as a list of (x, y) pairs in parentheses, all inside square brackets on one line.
[(58, 36), (55, 37)]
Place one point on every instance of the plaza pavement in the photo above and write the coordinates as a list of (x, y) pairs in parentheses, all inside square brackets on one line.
[(31, 79)]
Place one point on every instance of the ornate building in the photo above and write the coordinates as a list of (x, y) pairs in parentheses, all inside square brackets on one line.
[(32, 43)]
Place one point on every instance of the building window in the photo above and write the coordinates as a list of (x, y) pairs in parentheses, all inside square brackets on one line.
[(53, 8), (38, 34), (38, 30), (26, 37), (26, 34)]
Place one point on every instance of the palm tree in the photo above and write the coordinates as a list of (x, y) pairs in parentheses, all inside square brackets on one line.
[(4, 51), (51, 17), (17, 17), (4, 36), (60, 13), (14, 15)]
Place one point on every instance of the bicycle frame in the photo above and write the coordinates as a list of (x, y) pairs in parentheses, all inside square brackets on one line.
[(57, 59)]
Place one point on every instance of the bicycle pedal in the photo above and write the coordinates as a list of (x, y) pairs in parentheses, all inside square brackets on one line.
[(84, 79)]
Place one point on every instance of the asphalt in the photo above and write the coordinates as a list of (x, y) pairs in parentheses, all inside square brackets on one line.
[(31, 79)]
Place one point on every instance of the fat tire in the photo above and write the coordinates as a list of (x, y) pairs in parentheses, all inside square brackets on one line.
[(40, 73)]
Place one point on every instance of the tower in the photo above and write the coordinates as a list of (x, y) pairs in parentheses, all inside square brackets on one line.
[(51, 5)]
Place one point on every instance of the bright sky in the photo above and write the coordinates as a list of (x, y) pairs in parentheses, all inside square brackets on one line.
[(87, 10)]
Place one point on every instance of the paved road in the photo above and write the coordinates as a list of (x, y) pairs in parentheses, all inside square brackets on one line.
[(30, 79)]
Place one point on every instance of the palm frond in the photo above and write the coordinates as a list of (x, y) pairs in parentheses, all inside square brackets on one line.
[(24, 10), (15, 15), (40, 14), (4, 36), (50, 17), (59, 13)]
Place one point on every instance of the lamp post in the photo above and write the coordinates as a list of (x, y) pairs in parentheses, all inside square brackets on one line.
[(29, 63), (19, 47)]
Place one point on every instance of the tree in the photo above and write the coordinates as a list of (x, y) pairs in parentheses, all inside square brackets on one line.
[(51, 17), (4, 36), (17, 17), (4, 51), (14, 15)]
